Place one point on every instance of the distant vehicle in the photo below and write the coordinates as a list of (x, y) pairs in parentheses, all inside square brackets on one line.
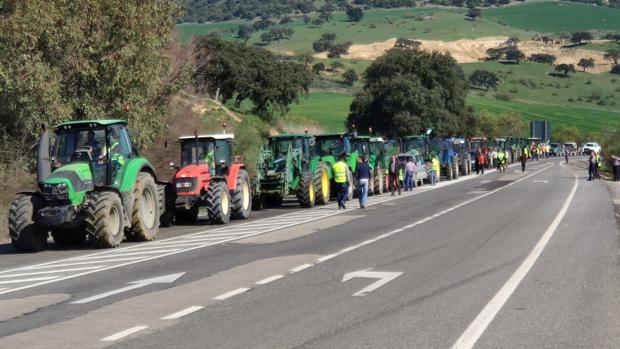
[(556, 149), (589, 147), (571, 148)]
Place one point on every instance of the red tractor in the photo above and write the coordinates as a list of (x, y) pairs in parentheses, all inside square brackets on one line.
[(210, 177)]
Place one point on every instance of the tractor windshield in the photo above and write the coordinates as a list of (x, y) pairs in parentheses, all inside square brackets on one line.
[(201, 152), (414, 144), (335, 146), (280, 146), (361, 146)]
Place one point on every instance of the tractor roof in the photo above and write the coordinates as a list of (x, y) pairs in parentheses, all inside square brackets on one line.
[(416, 137), (93, 123), (220, 136), (330, 135), (291, 135)]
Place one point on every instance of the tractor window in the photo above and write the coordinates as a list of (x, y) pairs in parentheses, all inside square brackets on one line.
[(206, 152), (360, 146), (306, 148), (418, 145), (280, 148), (78, 145), (329, 146), (222, 151)]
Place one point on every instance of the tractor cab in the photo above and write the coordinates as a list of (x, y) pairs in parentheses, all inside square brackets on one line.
[(417, 146), (298, 145), (213, 151), (332, 144)]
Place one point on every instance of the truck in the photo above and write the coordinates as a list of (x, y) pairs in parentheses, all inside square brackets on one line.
[(211, 177), (92, 187)]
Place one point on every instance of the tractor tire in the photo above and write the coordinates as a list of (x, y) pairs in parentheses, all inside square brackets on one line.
[(218, 203), (166, 215), (322, 184), (455, 170), (104, 219), (145, 215), (306, 195), (378, 182), (183, 216), (273, 201), (69, 237), (241, 196), (25, 235)]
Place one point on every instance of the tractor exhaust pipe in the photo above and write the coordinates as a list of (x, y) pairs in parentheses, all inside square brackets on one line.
[(44, 166)]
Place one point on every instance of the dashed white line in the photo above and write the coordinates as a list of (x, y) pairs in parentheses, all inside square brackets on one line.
[(124, 334), (269, 279), (183, 312), (300, 268), (471, 335), (51, 271), (231, 294), (326, 258), (43, 278), (36, 267)]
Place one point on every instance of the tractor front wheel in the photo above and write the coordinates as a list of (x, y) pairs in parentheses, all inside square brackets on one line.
[(378, 182), (145, 215), (306, 195), (25, 235), (242, 196), (218, 203), (104, 219), (321, 184)]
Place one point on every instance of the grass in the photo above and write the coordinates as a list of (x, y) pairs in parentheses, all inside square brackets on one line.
[(602, 47), (377, 25), (531, 83), (555, 17), (329, 109)]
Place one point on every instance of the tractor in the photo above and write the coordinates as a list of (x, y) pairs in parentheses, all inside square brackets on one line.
[(328, 147), (93, 187), (210, 177), (427, 147), (464, 157), (286, 166), (417, 147)]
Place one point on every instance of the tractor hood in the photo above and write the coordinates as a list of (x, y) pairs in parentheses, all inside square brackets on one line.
[(69, 182), (190, 171)]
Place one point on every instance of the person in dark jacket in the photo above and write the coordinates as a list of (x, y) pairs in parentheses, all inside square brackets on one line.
[(394, 172), (363, 177)]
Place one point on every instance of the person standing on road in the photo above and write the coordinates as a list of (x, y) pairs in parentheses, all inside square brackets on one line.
[(409, 174), (566, 155), (591, 165), (524, 155), (393, 173), (435, 169), (340, 177), (616, 168), (501, 161), (363, 176), (599, 164), (481, 161)]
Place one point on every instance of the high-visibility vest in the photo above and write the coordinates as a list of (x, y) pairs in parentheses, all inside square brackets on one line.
[(401, 175), (598, 160), (435, 166), (501, 156), (340, 172), (117, 156)]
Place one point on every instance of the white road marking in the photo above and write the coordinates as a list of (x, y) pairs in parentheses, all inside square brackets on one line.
[(165, 279), (112, 259), (55, 271), (269, 279), (485, 182), (383, 276), (231, 294), (545, 181), (326, 258), (43, 278), (124, 334), (300, 268), (471, 335), (183, 312)]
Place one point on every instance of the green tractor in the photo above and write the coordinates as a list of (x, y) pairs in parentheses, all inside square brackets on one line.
[(93, 187), (286, 166), (328, 147)]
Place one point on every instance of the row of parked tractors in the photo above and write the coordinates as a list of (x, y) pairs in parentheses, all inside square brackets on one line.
[(95, 188)]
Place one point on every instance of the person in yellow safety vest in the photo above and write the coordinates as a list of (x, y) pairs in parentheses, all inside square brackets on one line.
[(501, 161), (599, 164), (525, 154), (435, 170), (340, 177), (117, 155), (209, 158)]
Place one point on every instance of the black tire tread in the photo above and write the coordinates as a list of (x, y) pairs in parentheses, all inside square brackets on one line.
[(318, 185), (237, 210), (25, 236), (214, 202), (138, 232), (96, 222), (303, 194)]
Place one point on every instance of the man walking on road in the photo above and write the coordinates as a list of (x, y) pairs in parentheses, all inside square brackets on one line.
[(566, 155), (340, 177), (592, 165), (409, 174), (363, 176), (501, 161), (394, 172), (524, 156), (435, 170), (616, 167)]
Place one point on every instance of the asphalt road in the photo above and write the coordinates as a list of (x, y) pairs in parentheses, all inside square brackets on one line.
[(517, 260)]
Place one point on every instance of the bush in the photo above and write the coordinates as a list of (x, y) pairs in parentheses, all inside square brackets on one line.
[(503, 97)]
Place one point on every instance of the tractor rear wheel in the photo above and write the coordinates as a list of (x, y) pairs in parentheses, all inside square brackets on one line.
[(378, 182), (145, 214), (104, 219), (25, 235), (241, 196), (455, 170), (321, 184), (218, 203), (69, 237), (166, 213), (184, 216), (306, 194)]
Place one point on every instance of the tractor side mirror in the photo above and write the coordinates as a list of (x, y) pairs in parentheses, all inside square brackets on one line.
[(173, 165)]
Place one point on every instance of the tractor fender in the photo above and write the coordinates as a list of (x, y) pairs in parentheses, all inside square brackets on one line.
[(132, 169), (231, 181)]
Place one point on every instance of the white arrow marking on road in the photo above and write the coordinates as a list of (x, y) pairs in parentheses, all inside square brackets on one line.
[(384, 276), (545, 181), (165, 279)]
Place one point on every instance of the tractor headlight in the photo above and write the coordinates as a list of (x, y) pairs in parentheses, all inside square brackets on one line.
[(186, 184)]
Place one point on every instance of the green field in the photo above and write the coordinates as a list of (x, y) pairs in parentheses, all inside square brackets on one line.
[(376, 26), (329, 109), (556, 16)]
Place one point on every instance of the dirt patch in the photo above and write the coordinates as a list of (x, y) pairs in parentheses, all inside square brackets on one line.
[(470, 51)]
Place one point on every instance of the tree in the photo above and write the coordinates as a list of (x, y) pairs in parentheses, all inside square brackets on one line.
[(350, 77), (564, 133), (306, 19), (337, 50), (326, 16), (514, 54), (407, 44), (286, 20), (407, 91), (580, 37), (612, 55), (328, 37), (64, 60), (513, 41), (317, 68), (542, 58), (615, 69), (586, 63), (474, 13), (355, 14), (245, 32), (318, 22), (565, 68), (483, 78)]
